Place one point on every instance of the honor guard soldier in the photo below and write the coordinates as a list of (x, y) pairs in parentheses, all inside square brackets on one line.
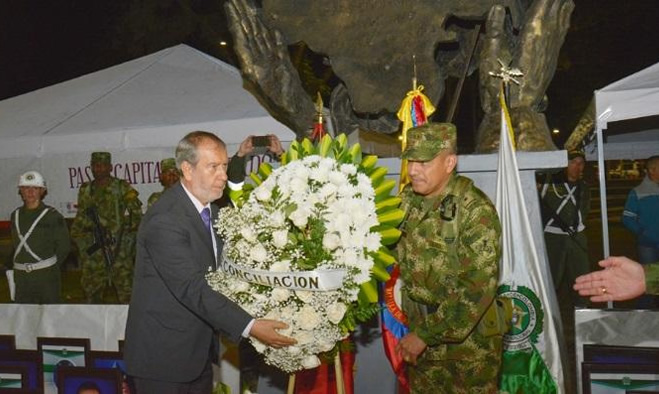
[(565, 201), (41, 243), (449, 262), (105, 229)]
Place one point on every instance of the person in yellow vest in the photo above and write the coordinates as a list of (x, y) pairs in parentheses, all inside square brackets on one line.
[(169, 175), (41, 243)]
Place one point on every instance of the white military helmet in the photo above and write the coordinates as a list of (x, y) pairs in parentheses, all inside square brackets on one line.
[(32, 178)]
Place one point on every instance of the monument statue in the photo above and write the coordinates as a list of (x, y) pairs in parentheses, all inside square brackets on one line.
[(371, 43)]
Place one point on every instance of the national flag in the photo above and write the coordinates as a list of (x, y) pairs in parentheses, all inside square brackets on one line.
[(394, 326), (532, 354), (414, 111)]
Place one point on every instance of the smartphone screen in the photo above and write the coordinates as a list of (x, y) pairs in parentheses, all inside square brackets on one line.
[(261, 140)]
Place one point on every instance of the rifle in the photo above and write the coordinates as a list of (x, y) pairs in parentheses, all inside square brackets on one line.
[(102, 240)]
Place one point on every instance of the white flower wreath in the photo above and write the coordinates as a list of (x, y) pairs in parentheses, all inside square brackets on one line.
[(303, 245)]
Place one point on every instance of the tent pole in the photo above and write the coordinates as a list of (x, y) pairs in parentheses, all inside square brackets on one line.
[(602, 180)]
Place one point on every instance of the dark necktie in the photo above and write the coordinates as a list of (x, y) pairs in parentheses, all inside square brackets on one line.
[(206, 217)]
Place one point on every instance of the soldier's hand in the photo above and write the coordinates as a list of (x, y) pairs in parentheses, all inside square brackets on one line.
[(410, 348), (266, 331)]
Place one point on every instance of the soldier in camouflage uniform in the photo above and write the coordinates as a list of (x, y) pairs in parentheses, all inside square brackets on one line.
[(565, 201), (119, 212), (169, 175), (41, 243), (449, 259)]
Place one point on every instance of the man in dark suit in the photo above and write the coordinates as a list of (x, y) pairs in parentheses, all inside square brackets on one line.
[(174, 315)]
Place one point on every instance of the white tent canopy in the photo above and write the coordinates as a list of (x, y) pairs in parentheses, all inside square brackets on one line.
[(137, 110), (635, 96)]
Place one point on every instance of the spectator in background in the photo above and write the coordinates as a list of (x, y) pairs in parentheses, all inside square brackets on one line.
[(565, 201), (119, 212), (641, 216), (237, 164), (41, 243), (169, 175)]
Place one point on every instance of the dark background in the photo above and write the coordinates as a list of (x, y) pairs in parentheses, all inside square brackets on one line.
[(46, 42)]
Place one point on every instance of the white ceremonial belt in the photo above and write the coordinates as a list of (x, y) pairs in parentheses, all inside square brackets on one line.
[(28, 267)]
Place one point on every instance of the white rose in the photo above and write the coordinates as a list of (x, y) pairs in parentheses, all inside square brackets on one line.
[(258, 253), (336, 311), (310, 362), (304, 295), (263, 193), (280, 238), (278, 219), (294, 350), (239, 286), (281, 266), (279, 294), (304, 337), (325, 346), (308, 318), (300, 217), (331, 241), (248, 234)]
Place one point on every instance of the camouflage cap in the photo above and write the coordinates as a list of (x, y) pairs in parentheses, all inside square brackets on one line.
[(573, 154), (426, 141), (101, 157), (167, 164)]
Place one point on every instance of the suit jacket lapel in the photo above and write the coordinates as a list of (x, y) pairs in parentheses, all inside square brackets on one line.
[(196, 224)]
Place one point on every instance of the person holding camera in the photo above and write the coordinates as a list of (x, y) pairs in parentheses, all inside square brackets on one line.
[(236, 170)]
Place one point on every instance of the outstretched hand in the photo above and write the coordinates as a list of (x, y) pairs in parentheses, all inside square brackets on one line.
[(266, 331), (622, 279)]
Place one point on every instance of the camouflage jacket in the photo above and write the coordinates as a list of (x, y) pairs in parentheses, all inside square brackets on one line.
[(652, 278), (449, 260), (119, 210)]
